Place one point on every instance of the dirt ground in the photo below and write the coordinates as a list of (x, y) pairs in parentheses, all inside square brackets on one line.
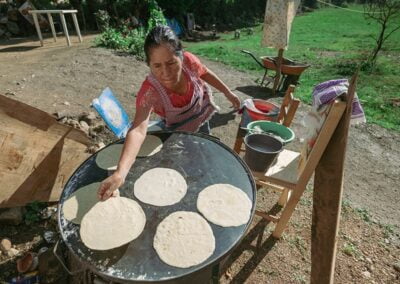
[(60, 78)]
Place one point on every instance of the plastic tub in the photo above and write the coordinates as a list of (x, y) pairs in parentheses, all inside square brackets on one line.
[(261, 151), (270, 111), (273, 128)]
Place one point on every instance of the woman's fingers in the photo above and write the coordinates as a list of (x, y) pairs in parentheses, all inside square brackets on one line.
[(234, 100), (101, 190), (109, 187)]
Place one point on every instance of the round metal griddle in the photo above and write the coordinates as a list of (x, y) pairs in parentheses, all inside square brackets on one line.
[(203, 161)]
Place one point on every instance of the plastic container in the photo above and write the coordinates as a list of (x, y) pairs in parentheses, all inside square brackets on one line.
[(261, 151), (273, 128), (270, 111)]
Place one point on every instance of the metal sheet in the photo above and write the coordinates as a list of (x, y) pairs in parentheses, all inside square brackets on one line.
[(203, 161)]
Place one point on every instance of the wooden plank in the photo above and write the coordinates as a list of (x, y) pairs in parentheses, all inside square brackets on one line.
[(52, 11), (328, 188), (37, 154), (329, 126), (266, 216)]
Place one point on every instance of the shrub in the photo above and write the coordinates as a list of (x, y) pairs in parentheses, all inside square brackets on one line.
[(131, 40)]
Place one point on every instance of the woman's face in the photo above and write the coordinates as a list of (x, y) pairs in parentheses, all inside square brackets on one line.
[(165, 66)]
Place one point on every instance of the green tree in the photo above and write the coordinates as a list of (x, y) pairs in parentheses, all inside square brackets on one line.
[(386, 13)]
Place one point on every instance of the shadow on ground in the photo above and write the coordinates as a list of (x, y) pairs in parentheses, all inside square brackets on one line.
[(257, 92), (220, 119), (19, 48), (260, 249)]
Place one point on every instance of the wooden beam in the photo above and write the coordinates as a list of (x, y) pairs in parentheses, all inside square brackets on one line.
[(327, 197)]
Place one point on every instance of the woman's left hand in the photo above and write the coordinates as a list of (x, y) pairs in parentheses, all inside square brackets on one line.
[(234, 99)]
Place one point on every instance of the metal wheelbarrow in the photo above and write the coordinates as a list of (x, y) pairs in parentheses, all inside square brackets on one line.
[(290, 70)]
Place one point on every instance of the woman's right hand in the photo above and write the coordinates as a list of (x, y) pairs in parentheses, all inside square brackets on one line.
[(109, 186)]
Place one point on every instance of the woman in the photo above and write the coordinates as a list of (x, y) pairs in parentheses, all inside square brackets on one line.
[(176, 90)]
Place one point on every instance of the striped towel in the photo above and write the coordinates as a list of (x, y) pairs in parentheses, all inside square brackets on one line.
[(328, 91)]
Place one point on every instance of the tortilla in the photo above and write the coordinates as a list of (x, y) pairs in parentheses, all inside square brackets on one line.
[(80, 202), (184, 239), (112, 223), (224, 205), (160, 187), (109, 156)]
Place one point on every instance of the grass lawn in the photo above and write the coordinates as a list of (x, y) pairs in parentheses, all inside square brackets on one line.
[(334, 42)]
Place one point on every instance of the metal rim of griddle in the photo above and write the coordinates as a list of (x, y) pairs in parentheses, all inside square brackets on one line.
[(201, 267)]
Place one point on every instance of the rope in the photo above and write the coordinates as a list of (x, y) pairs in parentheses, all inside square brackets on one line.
[(346, 9)]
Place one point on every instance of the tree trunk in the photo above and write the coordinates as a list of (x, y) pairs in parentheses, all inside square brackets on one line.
[(379, 43)]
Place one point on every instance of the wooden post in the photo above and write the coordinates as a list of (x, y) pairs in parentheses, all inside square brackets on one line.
[(327, 197), (64, 24), (35, 19), (53, 31), (278, 70), (77, 26)]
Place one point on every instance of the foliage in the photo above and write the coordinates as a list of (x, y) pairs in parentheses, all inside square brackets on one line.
[(131, 40), (334, 51), (387, 14), (102, 20), (226, 14), (156, 16), (32, 213)]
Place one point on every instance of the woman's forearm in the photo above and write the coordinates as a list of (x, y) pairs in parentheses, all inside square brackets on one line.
[(133, 141), (212, 79)]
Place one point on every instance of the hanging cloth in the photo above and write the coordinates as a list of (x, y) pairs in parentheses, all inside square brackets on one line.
[(278, 20)]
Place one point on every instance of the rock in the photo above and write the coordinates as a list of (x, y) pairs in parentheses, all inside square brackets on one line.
[(90, 118), (366, 274), (396, 266), (74, 123), (84, 126), (50, 237), (99, 128), (61, 114), (13, 252), (11, 216), (5, 245), (368, 260), (66, 103), (100, 145)]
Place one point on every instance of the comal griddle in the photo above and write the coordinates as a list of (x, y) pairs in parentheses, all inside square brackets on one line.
[(203, 161)]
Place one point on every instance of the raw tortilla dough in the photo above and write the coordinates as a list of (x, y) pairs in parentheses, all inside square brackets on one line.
[(224, 205), (112, 223), (184, 239), (151, 145), (160, 187), (80, 202), (109, 156)]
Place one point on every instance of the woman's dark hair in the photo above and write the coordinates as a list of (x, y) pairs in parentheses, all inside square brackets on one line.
[(162, 35)]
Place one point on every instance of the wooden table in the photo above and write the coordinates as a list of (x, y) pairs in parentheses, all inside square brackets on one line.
[(64, 24)]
